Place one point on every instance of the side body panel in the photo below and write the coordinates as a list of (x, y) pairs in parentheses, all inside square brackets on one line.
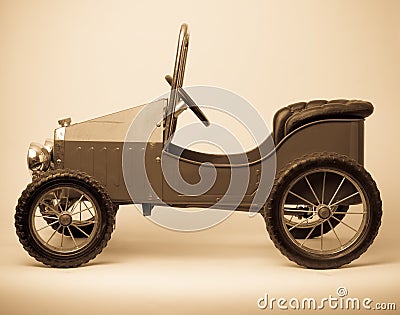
[(341, 136), (103, 160), (231, 186)]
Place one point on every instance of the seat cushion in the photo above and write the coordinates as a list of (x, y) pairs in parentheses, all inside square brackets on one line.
[(295, 115)]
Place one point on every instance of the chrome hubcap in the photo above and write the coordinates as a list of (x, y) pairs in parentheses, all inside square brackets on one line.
[(65, 219), (324, 211)]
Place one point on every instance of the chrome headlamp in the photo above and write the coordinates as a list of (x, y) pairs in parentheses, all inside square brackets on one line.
[(39, 156)]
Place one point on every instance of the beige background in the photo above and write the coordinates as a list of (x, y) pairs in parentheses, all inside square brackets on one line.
[(88, 58)]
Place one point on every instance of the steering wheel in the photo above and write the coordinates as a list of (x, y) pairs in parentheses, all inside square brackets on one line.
[(190, 102), (176, 83)]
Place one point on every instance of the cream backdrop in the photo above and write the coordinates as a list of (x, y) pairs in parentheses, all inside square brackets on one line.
[(88, 58)]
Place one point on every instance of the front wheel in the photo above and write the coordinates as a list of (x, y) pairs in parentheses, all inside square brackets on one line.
[(325, 183), (64, 218)]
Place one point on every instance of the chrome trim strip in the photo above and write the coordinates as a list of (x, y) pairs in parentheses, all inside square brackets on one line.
[(59, 134)]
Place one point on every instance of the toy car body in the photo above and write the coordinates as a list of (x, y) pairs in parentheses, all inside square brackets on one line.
[(79, 181)]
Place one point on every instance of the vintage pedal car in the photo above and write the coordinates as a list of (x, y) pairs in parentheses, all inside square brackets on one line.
[(323, 209)]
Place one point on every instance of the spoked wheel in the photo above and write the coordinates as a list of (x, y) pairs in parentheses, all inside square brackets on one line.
[(83, 219), (70, 212), (340, 213), (64, 218)]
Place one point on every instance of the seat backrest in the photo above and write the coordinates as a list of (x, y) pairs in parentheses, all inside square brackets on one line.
[(295, 115)]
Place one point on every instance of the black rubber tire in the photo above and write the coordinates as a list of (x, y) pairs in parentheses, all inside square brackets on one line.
[(303, 232), (293, 170), (24, 211)]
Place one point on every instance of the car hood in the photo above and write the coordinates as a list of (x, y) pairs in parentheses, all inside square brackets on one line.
[(115, 127)]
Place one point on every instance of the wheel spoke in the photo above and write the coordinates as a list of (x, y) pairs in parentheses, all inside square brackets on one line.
[(87, 235), (334, 232), (308, 235), (350, 227), (337, 190), (83, 223), (51, 236), (323, 188), (312, 190), (302, 198), (75, 203), (344, 212), (81, 211), (45, 216), (58, 201), (42, 228), (88, 208), (348, 197), (62, 236), (67, 201), (72, 236), (322, 236)]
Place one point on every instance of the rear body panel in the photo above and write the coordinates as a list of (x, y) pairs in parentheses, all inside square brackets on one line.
[(343, 136)]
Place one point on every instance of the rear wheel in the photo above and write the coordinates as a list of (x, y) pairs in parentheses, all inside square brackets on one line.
[(64, 218), (343, 215)]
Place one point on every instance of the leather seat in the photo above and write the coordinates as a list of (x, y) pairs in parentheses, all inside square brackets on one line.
[(295, 115)]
